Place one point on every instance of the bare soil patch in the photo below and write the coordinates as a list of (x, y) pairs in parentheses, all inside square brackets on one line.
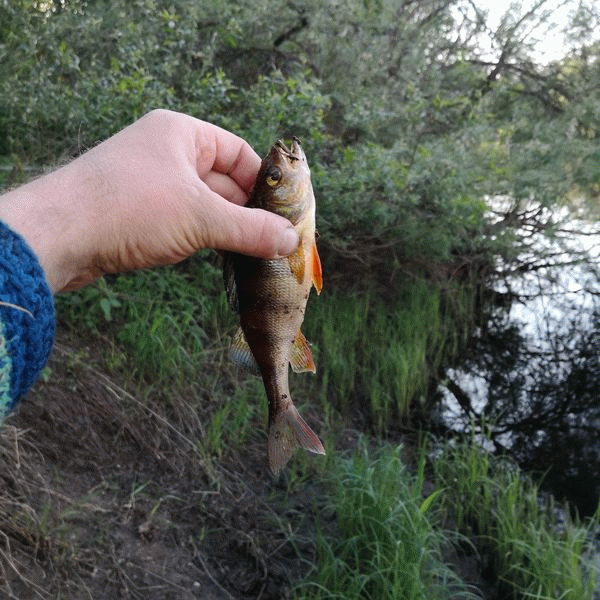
[(104, 494)]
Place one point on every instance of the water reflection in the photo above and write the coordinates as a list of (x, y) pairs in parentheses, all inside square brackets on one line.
[(532, 373)]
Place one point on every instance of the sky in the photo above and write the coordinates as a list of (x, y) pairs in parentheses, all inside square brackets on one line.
[(551, 43)]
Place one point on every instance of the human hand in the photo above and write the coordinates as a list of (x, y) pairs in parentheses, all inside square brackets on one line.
[(152, 194)]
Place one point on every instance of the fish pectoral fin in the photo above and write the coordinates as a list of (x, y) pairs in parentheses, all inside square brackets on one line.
[(297, 263), (301, 360), (241, 355), (288, 432), (317, 274)]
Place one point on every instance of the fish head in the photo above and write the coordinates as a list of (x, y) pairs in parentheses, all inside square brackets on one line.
[(283, 183)]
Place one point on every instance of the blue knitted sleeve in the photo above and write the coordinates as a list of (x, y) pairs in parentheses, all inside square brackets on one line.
[(26, 319)]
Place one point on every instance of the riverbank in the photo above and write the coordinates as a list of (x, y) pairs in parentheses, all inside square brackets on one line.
[(116, 489)]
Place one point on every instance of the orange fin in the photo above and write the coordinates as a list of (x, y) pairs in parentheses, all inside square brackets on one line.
[(302, 358), (240, 353), (296, 261), (288, 432), (317, 275)]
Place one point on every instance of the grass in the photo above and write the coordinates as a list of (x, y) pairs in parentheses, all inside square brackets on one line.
[(390, 540), (381, 354), (537, 550), (168, 321), (385, 545), (174, 323)]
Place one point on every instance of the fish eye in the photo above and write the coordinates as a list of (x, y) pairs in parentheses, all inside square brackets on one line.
[(274, 177)]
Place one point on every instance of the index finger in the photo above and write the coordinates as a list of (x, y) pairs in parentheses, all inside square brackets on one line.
[(224, 152)]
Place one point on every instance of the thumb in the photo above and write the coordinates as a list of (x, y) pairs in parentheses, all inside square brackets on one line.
[(255, 232)]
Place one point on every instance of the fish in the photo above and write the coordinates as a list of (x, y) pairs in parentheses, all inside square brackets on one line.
[(270, 296)]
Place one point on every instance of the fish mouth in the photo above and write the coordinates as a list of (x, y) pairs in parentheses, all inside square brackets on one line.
[(294, 152)]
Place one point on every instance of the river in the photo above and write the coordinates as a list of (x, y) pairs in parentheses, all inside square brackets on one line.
[(530, 382)]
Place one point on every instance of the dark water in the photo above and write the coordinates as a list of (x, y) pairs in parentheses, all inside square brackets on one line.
[(531, 378)]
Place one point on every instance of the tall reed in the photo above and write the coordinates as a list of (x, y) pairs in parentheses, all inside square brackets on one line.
[(535, 548), (379, 354), (384, 546)]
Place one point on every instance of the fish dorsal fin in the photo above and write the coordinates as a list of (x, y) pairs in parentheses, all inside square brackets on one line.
[(241, 355), (317, 274), (302, 358), (297, 263)]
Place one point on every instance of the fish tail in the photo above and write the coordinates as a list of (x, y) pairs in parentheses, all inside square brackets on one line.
[(287, 432)]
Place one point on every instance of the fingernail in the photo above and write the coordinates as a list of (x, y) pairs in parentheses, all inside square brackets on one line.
[(288, 242)]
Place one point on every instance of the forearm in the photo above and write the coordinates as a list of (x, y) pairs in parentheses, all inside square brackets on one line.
[(44, 212)]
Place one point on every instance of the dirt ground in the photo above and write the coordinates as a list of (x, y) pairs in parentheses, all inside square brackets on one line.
[(104, 495)]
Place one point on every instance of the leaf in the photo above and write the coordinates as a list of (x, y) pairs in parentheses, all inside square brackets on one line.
[(106, 306), (429, 501)]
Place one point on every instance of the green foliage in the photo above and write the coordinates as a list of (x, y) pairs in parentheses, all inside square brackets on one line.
[(384, 207), (167, 321), (409, 128), (380, 355), (533, 555), (385, 546), (281, 106), (406, 132)]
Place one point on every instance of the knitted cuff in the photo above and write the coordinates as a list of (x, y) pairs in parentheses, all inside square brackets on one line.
[(26, 319)]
